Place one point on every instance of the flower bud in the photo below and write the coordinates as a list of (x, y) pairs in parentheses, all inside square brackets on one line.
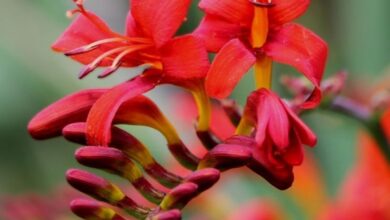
[(94, 186), (179, 196), (90, 209), (173, 214), (49, 122), (115, 161), (204, 178), (133, 149), (226, 156)]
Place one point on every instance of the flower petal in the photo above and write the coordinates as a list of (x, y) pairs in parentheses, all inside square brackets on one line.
[(85, 30), (305, 134), (263, 119), (279, 175), (293, 154), (234, 11), (299, 47), (216, 32), (72, 108), (287, 10), (102, 113), (159, 19), (278, 126), (184, 58), (131, 28), (229, 65)]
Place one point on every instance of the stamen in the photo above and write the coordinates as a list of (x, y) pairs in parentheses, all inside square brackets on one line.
[(117, 62), (267, 4), (92, 66), (92, 46), (108, 71)]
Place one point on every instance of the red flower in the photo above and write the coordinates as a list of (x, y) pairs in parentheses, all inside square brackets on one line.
[(248, 32), (279, 136), (150, 27), (149, 40)]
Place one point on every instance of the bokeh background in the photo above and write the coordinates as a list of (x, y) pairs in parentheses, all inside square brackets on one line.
[(32, 76)]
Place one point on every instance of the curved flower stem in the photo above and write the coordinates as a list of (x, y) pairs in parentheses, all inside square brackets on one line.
[(204, 111), (204, 107), (370, 120)]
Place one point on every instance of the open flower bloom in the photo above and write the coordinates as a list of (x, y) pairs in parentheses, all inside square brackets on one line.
[(150, 28), (279, 136), (149, 41), (257, 32)]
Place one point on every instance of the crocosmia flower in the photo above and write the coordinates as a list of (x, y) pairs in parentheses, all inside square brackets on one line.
[(149, 41), (268, 137), (257, 32), (279, 136), (150, 28)]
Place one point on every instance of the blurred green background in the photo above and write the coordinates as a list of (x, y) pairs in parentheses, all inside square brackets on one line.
[(32, 76)]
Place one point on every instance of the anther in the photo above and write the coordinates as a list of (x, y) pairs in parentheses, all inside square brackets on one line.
[(117, 62), (267, 4), (92, 46), (92, 66), (108, 71)]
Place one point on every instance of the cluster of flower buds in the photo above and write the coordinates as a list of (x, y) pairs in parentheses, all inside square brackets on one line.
[(268, 136)]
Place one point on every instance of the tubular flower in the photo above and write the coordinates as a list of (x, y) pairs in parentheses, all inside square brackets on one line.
[(257, 32), (150, 27), (269, 136), (148, 41), (279, 135)]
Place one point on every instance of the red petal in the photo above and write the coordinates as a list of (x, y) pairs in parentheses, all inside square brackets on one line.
[(184, 58), (287, 10), (279, 125), (234, 11), (216, 32), (293, 155), (299, 47), (229, 65), (160, 19), (101, 116), (280, 175), (263, 119), (132, 29), (305, 134), (83, 31), (72, 108)]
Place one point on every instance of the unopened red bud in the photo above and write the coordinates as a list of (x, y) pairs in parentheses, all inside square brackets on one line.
[(75, 132), (115, 161), (204, 178), (179, 196), (103, 190), (130, 146), (90, 209), (173, 214), (226, 156), (94, 186), (50, 121)]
